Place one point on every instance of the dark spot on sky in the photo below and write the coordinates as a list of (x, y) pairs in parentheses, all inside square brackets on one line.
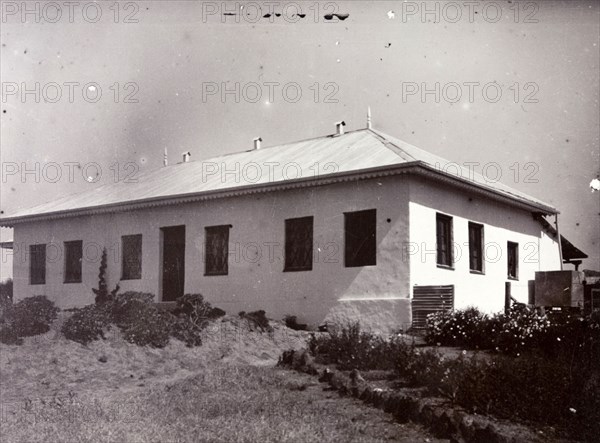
[(12, 189), (389, 220), (341, 17), (413, 132), (4, 45), (567, 140), (576, 224), (4, 111), (1, 212), (25, 51), (388, 45)]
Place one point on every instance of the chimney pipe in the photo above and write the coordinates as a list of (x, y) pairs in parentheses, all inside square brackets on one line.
[(186, 156), (257, 141), (339, 128), (165, 158)]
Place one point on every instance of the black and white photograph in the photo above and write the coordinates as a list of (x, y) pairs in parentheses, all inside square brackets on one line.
[(300, 221)]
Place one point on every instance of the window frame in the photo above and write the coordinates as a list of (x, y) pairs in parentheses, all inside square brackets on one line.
[(78, 278), (479, 229), (289, 224), (354, 260), (124, 262), (448, 252), (512, 246), (37, 274), (207, 232)]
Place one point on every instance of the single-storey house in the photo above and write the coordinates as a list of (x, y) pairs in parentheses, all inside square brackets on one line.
[(355, 225)]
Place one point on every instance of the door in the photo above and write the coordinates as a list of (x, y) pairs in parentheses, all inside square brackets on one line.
[(173, 262)]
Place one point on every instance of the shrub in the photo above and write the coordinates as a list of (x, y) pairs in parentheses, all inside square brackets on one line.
[(196, 309), (9, 336), (257, 319), (188, 332), (465, 328), (350, 348), (124, 308), (87, 324), (32, 316), (291, 321), (149, 326), (102, 293)]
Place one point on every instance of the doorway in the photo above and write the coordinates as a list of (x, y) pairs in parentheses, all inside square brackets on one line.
[(173, 262)]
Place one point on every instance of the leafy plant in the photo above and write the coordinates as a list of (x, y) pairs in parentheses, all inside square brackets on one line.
[(32, 316), (257, 319), (291, 321), (102, 293), (87, 324), (196, 309)]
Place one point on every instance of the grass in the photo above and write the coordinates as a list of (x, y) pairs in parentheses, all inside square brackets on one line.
[(224, 403), (226, 390)]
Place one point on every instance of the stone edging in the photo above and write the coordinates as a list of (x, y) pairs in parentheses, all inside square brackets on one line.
[(442, 420)]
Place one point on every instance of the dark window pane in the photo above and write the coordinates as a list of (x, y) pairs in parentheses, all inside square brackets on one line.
[(512, 254), (37, 264), (475, 247), (217, 250), (73, 257), (444, 239), (132, 257), (360, 236), (298, 244)]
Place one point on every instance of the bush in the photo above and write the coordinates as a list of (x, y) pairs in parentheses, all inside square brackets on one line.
[(198, 311), (257, 319), (188, 332), (9, 336), (291, 321), (87, 324), (468, 328), (124, 308), (350, 348), (149, 326), (32, 316)]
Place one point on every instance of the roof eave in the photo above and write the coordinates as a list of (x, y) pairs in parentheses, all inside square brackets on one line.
[(416, 167)]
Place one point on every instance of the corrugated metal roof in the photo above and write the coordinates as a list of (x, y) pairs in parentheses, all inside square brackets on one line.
[(350, 152)]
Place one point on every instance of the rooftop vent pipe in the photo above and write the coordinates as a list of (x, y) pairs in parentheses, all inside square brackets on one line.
[(339, 128), (186, 156), (257, 141)]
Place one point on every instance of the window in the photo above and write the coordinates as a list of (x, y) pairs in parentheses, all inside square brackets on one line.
[(37, 264), (298, 244), (360, 235), (217, 250), (132, 257), (73, 256), (444, 240), (512, 260), (475, 247)]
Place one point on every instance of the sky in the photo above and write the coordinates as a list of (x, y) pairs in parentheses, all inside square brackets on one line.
[(510, 87)]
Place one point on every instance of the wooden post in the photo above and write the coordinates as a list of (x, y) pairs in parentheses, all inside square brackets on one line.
[(506, 297)]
